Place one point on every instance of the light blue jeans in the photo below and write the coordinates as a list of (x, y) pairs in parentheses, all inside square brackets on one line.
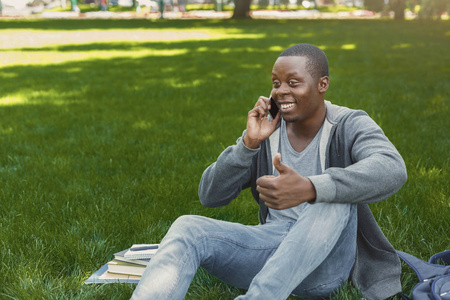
[(310, 257)]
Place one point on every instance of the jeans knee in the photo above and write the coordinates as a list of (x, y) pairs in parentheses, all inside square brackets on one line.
[(186, 227), (185, 222)]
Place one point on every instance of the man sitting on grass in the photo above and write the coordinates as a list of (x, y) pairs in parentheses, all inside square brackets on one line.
[(312, 169)]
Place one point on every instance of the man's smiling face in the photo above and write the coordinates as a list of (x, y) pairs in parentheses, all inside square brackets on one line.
[(296, 92)]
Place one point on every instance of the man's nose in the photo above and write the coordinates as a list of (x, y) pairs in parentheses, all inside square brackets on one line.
[(284, 89)]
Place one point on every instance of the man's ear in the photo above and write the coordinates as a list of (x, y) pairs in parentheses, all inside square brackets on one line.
[(323, 84)]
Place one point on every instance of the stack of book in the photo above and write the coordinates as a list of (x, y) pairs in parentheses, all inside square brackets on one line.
[(127, 266)]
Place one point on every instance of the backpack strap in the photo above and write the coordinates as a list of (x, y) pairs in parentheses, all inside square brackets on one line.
[(403, 296), (443, 256), (424, 270)]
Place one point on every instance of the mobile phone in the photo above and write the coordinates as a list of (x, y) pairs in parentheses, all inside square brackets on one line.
[(273, 108)]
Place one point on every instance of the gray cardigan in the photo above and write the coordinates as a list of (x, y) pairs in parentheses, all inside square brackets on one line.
[(360, 166)]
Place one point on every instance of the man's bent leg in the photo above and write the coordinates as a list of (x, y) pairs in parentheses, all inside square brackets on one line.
[(304, 249), (334, 271), (233, 252)]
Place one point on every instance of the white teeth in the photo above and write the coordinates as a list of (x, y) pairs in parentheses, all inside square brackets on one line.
[(286, 106)]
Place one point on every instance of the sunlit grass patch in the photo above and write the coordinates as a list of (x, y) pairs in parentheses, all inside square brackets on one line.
[(12, 100), (12, 39), (55, 57), (348, 46), (23, 47)]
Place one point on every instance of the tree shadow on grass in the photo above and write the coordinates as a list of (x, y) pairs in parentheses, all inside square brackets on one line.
[(207, 81)]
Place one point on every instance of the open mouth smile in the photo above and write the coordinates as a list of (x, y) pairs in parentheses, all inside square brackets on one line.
[(287, 106)]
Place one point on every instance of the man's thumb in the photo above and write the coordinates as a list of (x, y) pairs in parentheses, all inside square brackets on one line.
[(281, 168)]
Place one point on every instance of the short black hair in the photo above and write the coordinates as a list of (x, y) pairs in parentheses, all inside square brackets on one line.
[(317, 64)]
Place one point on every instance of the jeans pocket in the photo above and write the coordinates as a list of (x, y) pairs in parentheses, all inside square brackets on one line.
[(288, 227)]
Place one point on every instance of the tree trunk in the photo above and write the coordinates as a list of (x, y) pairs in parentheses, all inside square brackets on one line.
[(399, 9), (241, 9)]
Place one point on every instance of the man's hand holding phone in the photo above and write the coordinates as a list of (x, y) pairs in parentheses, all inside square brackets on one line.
[(259, 127)]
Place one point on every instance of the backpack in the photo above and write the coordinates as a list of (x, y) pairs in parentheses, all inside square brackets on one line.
[(434, 278)]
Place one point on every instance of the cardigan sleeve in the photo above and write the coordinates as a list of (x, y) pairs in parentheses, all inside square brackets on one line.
[(223, 181), (369, 169)]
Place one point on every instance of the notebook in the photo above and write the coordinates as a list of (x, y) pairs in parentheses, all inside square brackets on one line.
[(141, 251)]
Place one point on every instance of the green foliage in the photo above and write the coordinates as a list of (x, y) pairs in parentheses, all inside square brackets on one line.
[(107, 125), (195, 6), (433, 9), (336, 8)]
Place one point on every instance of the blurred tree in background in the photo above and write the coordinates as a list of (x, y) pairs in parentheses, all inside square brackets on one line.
[(423, 9), (426, 9), (398, 7), (430, 9), (241, 9)]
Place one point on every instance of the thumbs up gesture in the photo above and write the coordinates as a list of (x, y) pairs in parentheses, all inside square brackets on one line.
[(287, 190)]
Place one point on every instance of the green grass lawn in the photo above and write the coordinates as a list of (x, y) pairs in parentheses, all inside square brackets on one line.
[(107, 125)]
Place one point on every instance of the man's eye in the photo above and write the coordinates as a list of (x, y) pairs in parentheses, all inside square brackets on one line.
[(291, 82), (275, 83)]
